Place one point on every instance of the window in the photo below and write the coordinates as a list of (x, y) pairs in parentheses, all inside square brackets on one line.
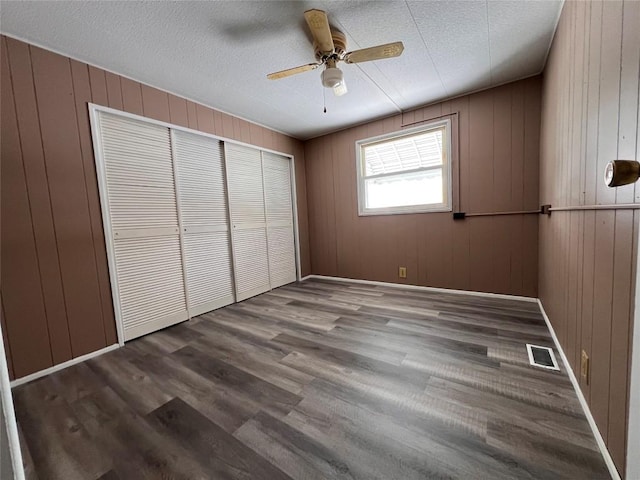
[(405, 172)]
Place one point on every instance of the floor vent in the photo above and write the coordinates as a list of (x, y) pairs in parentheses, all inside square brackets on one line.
[(542, 357)]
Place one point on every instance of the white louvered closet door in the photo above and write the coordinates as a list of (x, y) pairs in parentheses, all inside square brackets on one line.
[(248, 225), (279, 214), (143, 220), (204, 219)]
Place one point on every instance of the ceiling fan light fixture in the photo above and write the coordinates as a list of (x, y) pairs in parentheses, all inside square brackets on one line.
[(332, 77), (330, 47), (340, 89)]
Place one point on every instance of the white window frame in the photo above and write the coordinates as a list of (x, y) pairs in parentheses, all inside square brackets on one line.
[(447, 184)]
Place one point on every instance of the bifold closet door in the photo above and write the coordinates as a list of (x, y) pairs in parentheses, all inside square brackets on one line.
[(138, 183), (248, 223), (204, 220), (279, 214)]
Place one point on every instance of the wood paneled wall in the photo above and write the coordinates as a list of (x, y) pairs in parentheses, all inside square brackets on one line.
[(498, 171), (590, 116), (56, 295)]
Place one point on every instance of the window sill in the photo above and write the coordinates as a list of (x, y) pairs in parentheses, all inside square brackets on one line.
[(405, 211)]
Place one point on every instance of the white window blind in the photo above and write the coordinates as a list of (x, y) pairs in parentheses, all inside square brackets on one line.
[(204, 220), (248, 222), (279, 214), (143, 218), (192, 223)]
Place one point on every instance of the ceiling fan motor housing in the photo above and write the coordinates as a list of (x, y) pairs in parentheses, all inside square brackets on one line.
[(339, 46)]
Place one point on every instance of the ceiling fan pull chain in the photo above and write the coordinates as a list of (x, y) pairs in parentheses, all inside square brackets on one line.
[(324, 99)]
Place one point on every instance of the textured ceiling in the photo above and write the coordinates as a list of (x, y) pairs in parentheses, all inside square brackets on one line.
[(218, 52)]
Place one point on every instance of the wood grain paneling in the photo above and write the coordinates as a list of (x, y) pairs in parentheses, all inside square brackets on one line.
[(497, 143), (114, 90), (132, 97), (178, 111), (590, 116), (55, 283), (191, 115), (98, 80), (68, 193), (205, 119), (39, 200), (7, 347), (22, 298), (83, 93)]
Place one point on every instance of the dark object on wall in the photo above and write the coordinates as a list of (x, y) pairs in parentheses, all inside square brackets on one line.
[(621, 172), (459, 215), (545, 209)]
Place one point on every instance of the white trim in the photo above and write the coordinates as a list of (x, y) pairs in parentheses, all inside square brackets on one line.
[(296, 231), (9, 416), (555, 30), (294, 213), (181, 229), (419, 107), (101, 174), (532, 360), (633, 428), (583, 402), (302, 138), (405, 209), (205, 229), (95, 107), (264, 216), (63, 365), (163, 89), (231, 229), (425, 289), (145, 232)]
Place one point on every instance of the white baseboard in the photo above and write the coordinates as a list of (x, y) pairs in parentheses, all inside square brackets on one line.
[(425, 289), (9, 419), (633, 427), (583, 402), (62, 366)]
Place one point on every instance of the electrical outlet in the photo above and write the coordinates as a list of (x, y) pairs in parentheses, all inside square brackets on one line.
[(584, 367), (402, 272)]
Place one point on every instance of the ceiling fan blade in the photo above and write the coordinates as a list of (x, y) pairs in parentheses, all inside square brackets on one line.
[(319, 26), (293, 71), (387, 50)]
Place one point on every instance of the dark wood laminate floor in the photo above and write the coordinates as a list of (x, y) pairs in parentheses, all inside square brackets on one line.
[(314, 380)]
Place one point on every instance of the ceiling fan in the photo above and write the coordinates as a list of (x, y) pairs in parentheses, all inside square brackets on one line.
[(330, 48)]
